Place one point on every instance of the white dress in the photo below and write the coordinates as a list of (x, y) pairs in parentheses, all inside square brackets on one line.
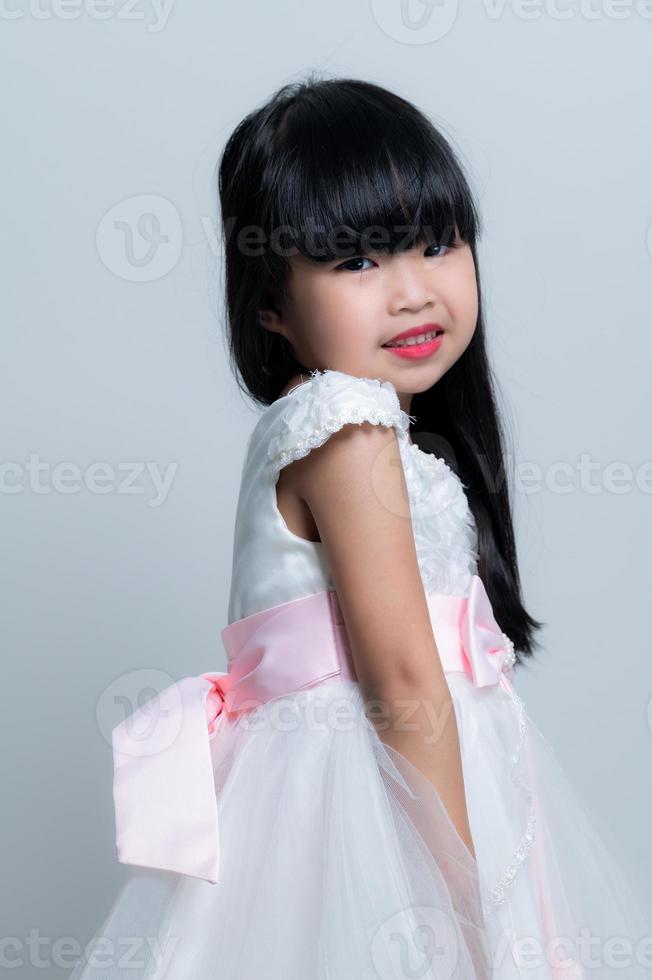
[(338, 860)]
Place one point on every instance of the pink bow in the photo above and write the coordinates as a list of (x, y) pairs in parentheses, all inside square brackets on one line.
[(487, 649), (163, 788), (163, 784), (215, 699), (467, 635)]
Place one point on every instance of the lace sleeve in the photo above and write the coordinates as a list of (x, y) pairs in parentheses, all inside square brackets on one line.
[(326, 403)]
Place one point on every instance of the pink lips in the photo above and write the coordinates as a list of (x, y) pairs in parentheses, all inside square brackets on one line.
[(416, 351)]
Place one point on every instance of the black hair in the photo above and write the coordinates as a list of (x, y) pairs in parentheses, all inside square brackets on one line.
[(350, 155)]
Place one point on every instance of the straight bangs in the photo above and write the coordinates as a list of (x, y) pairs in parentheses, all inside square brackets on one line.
[(382, 194)]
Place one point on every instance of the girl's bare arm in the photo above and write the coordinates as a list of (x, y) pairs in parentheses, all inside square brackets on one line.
[(355, 488)]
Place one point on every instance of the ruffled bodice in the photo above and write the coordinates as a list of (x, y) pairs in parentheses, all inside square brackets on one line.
[(271, 564)]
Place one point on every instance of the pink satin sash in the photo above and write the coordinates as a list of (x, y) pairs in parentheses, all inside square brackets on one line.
[(163, 787)]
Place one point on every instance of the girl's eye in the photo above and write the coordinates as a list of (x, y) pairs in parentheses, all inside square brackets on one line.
[(350, 262), (442, 248)]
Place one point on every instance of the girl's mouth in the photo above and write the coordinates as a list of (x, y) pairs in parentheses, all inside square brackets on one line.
[(415, 347)]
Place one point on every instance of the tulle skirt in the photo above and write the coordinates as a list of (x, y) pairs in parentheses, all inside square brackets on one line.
[(338, 861)]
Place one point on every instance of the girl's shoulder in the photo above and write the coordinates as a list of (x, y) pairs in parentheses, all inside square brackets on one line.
[(310, 412)]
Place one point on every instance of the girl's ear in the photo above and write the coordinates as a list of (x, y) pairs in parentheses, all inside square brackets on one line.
[(272, 320)]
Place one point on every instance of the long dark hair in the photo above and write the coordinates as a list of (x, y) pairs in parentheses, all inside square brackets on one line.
[(347, 154)]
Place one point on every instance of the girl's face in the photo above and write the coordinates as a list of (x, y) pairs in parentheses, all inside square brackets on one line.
[(339, 314)]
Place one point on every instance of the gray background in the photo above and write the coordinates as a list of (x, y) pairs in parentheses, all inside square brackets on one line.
[(113, 353)]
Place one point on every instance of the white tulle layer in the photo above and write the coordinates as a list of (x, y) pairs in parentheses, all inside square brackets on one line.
[(558, 903), (339, 861)]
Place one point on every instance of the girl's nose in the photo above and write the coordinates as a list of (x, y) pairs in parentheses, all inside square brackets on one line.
[(411, 285)]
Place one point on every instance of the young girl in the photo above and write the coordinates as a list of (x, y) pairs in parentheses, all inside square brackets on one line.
[(361, 793)]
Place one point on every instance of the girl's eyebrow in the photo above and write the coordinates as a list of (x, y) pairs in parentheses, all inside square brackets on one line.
[(346, 258)]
